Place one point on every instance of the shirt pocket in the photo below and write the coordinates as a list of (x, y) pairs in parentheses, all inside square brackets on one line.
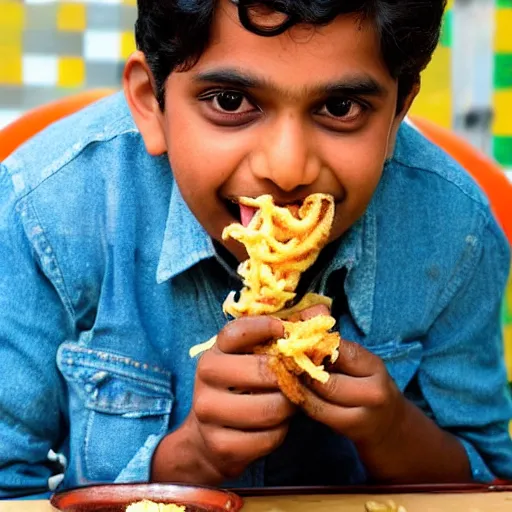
[(402, 359), (115, 404)]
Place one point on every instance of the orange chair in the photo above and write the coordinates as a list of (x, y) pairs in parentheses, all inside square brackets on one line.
[(485, 171), (35, 120)]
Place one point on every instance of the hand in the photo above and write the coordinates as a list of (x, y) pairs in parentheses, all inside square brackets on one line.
[(238, 413), (360, 400)]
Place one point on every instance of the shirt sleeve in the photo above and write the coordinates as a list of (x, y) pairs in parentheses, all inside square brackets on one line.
[(33, 322), (462, 375)]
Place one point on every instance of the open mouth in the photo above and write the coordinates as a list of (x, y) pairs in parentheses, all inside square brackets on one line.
[(241, 212), (233, 208), (244, 214)]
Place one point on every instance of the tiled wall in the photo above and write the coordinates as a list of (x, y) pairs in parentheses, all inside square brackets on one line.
[(52, 48), (502, 126), (435, 99)]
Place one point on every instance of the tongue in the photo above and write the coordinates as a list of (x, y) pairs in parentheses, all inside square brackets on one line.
[(246, 214)]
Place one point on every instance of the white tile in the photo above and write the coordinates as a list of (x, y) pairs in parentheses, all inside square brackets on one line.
[(41, 70), (7, 116), (102, 45), (32, 2)]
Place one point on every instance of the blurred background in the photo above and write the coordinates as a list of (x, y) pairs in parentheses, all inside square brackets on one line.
[(52, 48)]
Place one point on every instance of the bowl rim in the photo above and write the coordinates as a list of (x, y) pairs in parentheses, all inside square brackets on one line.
[(201, 496)]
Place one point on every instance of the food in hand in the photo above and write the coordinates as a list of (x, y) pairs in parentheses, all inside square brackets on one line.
[(282, 242)]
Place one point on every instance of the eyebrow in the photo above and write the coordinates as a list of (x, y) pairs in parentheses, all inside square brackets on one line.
[(355, 85)]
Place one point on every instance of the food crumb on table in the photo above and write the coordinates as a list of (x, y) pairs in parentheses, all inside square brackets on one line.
[(389, 506)]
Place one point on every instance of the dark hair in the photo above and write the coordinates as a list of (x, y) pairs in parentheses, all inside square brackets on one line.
[(174, 33)]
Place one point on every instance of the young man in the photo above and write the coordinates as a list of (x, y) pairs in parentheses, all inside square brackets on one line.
[(113, 265)]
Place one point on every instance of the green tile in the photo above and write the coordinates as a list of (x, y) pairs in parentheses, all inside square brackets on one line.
[(503, 70), (502, 149), (447, 29), (504, 3), (506, 313)]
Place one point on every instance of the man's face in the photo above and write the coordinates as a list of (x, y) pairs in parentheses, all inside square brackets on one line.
[(311, 110)]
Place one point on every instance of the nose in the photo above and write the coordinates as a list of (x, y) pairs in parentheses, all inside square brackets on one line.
[(285, 155)]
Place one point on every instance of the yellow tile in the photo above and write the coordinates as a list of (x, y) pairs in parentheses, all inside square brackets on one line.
[(508, 296), (11, 37), (502, 124), (127, 44), (130, 2), (13, 14), (10, 66), (71, 17), (434, 101), (71, 72), (503, 31)]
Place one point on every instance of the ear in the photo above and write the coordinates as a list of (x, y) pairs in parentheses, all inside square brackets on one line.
[(408, 101), (140, 95)]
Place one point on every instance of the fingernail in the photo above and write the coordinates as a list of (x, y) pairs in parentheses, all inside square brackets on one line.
[(277, 328)]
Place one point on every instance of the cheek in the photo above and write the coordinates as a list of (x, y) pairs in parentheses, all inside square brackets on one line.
[(359, 163), (201, 155)]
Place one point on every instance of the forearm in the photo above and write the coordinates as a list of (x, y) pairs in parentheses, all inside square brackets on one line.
[(418, 451), (176, 459)]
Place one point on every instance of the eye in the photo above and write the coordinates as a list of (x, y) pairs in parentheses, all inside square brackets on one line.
[(230, 108), (343, 109), (231, 102)]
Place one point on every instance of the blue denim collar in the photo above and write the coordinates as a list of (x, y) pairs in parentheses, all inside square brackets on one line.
[(358, 254), (185, 241)]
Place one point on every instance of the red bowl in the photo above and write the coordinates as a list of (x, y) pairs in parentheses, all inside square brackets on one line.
[(115, 498)]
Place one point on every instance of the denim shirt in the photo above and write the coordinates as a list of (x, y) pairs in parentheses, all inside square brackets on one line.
[(107, 280)]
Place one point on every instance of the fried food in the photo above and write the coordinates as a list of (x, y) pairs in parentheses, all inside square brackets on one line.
[(283, 242), (151, 506)]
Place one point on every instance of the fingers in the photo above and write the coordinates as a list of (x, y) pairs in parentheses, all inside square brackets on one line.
[(356, 407), (356, 361), (345, 420), (232, 450), (243, 334), (244, 412), (243, 372), (318, 310), (346, 391), (306, 314)]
